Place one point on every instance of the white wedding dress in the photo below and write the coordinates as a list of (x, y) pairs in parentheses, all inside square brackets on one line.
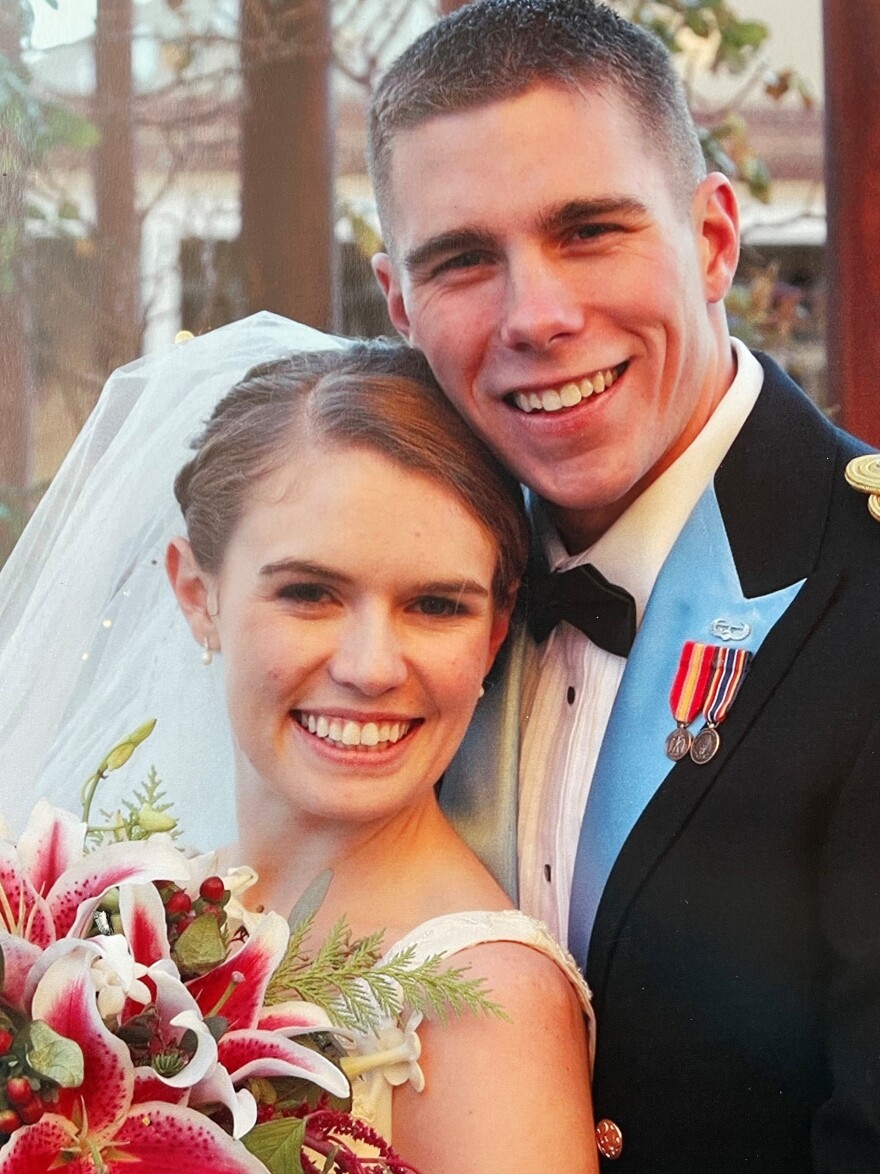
[(446, 936)]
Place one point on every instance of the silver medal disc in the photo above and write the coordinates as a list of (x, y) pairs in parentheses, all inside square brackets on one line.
[(678, 743), (705, 745)]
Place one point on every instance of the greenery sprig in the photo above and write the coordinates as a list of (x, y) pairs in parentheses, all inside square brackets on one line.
[(348, 979)]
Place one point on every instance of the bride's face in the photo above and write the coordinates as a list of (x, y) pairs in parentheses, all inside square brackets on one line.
[(355, 617)]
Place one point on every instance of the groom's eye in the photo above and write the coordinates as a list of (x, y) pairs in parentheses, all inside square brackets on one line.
[(439, 605), (469, 260)]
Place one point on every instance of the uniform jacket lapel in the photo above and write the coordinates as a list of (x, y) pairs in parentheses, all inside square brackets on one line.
[(765, 524)]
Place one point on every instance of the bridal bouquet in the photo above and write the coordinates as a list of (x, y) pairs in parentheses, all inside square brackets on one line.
[(147, 1017)]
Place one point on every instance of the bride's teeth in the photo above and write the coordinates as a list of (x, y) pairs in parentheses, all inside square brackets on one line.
[(598, 382), (351, 734), (570, 395), (370, 734), (551, 401), (586, 388), (334, 730), (523, 402), (609, 378)]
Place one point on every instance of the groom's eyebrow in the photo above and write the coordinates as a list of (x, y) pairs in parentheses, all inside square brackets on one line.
[(435, 248)]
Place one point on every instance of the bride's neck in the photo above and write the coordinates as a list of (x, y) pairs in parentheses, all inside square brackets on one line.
[(374, 866)]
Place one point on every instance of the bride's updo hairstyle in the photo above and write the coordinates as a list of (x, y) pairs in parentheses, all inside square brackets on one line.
[(378, 395)]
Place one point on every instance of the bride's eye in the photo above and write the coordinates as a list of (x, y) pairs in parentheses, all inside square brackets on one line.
[(306, 593)]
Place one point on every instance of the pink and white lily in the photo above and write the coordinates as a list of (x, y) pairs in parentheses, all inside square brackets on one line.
[(99, 1126)]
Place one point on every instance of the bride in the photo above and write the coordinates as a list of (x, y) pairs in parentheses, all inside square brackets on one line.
[(350, 565)]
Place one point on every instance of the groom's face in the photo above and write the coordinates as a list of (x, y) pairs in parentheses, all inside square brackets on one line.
[(561, 284)]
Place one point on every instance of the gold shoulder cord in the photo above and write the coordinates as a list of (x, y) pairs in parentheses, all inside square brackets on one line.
[(863, 474)]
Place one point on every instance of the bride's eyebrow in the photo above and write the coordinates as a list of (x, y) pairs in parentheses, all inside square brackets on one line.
[(296, 566)]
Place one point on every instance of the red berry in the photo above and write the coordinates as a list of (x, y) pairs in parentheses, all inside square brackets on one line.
[(32, 1111), (212, 889), (6, 1041), (18, 1090), (9, 1120), (178, 904)]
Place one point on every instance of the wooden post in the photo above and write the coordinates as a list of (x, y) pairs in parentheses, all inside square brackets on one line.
[(119, 325), (14, 366), (286, 159), (852, 187)]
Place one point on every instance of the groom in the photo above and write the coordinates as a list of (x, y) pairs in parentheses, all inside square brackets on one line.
[(556, 248)]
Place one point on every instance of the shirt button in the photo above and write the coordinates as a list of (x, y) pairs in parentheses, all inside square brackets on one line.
[(570, 695), (609, 1139)]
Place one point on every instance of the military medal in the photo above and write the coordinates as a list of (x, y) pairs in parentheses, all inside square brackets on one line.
[(729, 667), (688, 694)]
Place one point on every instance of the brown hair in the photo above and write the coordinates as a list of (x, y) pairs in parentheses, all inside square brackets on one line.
[(376, 395), (491, 50)]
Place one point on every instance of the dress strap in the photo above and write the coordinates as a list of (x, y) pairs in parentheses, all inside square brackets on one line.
[(454, 932)]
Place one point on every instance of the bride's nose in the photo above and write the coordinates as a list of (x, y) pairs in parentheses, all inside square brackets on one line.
[(368, 655)]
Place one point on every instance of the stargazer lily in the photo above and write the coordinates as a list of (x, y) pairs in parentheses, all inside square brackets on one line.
[(98, 1128)]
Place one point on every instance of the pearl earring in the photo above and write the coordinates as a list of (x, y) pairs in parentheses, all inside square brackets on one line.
[(207, 652), (482, 692)]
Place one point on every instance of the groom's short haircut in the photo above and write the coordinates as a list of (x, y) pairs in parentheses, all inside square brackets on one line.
[(492, 50)]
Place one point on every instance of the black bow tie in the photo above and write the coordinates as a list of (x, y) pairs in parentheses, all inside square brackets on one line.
[(584, 597)]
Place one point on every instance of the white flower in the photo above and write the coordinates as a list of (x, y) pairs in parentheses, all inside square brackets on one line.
[(116, 976), (393, 1051)]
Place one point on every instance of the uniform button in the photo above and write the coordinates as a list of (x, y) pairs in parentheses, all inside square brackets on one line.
[(609, 1139)]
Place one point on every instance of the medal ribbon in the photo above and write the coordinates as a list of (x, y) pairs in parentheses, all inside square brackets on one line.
[(730, 667), (691, 682)]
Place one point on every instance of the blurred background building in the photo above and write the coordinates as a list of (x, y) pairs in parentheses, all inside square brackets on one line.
[(178, 164)]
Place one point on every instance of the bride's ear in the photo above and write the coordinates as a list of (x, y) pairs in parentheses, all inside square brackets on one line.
[(195, 591)]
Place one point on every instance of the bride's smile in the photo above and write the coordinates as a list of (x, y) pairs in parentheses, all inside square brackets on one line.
[(354, 654)]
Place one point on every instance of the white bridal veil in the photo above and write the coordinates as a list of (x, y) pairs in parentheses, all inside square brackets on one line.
[(91, 641)]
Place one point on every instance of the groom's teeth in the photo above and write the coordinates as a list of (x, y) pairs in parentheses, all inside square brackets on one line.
[(370, 734), (567, 396), (351, 733)]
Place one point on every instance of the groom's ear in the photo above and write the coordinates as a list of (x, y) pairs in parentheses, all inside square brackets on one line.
[(195, 591), (386, 274)]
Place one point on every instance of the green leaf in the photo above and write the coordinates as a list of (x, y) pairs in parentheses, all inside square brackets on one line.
[(51, 1056), (68, 210), (311, 899), (697, 23), (200, 947), (278, 1144)]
